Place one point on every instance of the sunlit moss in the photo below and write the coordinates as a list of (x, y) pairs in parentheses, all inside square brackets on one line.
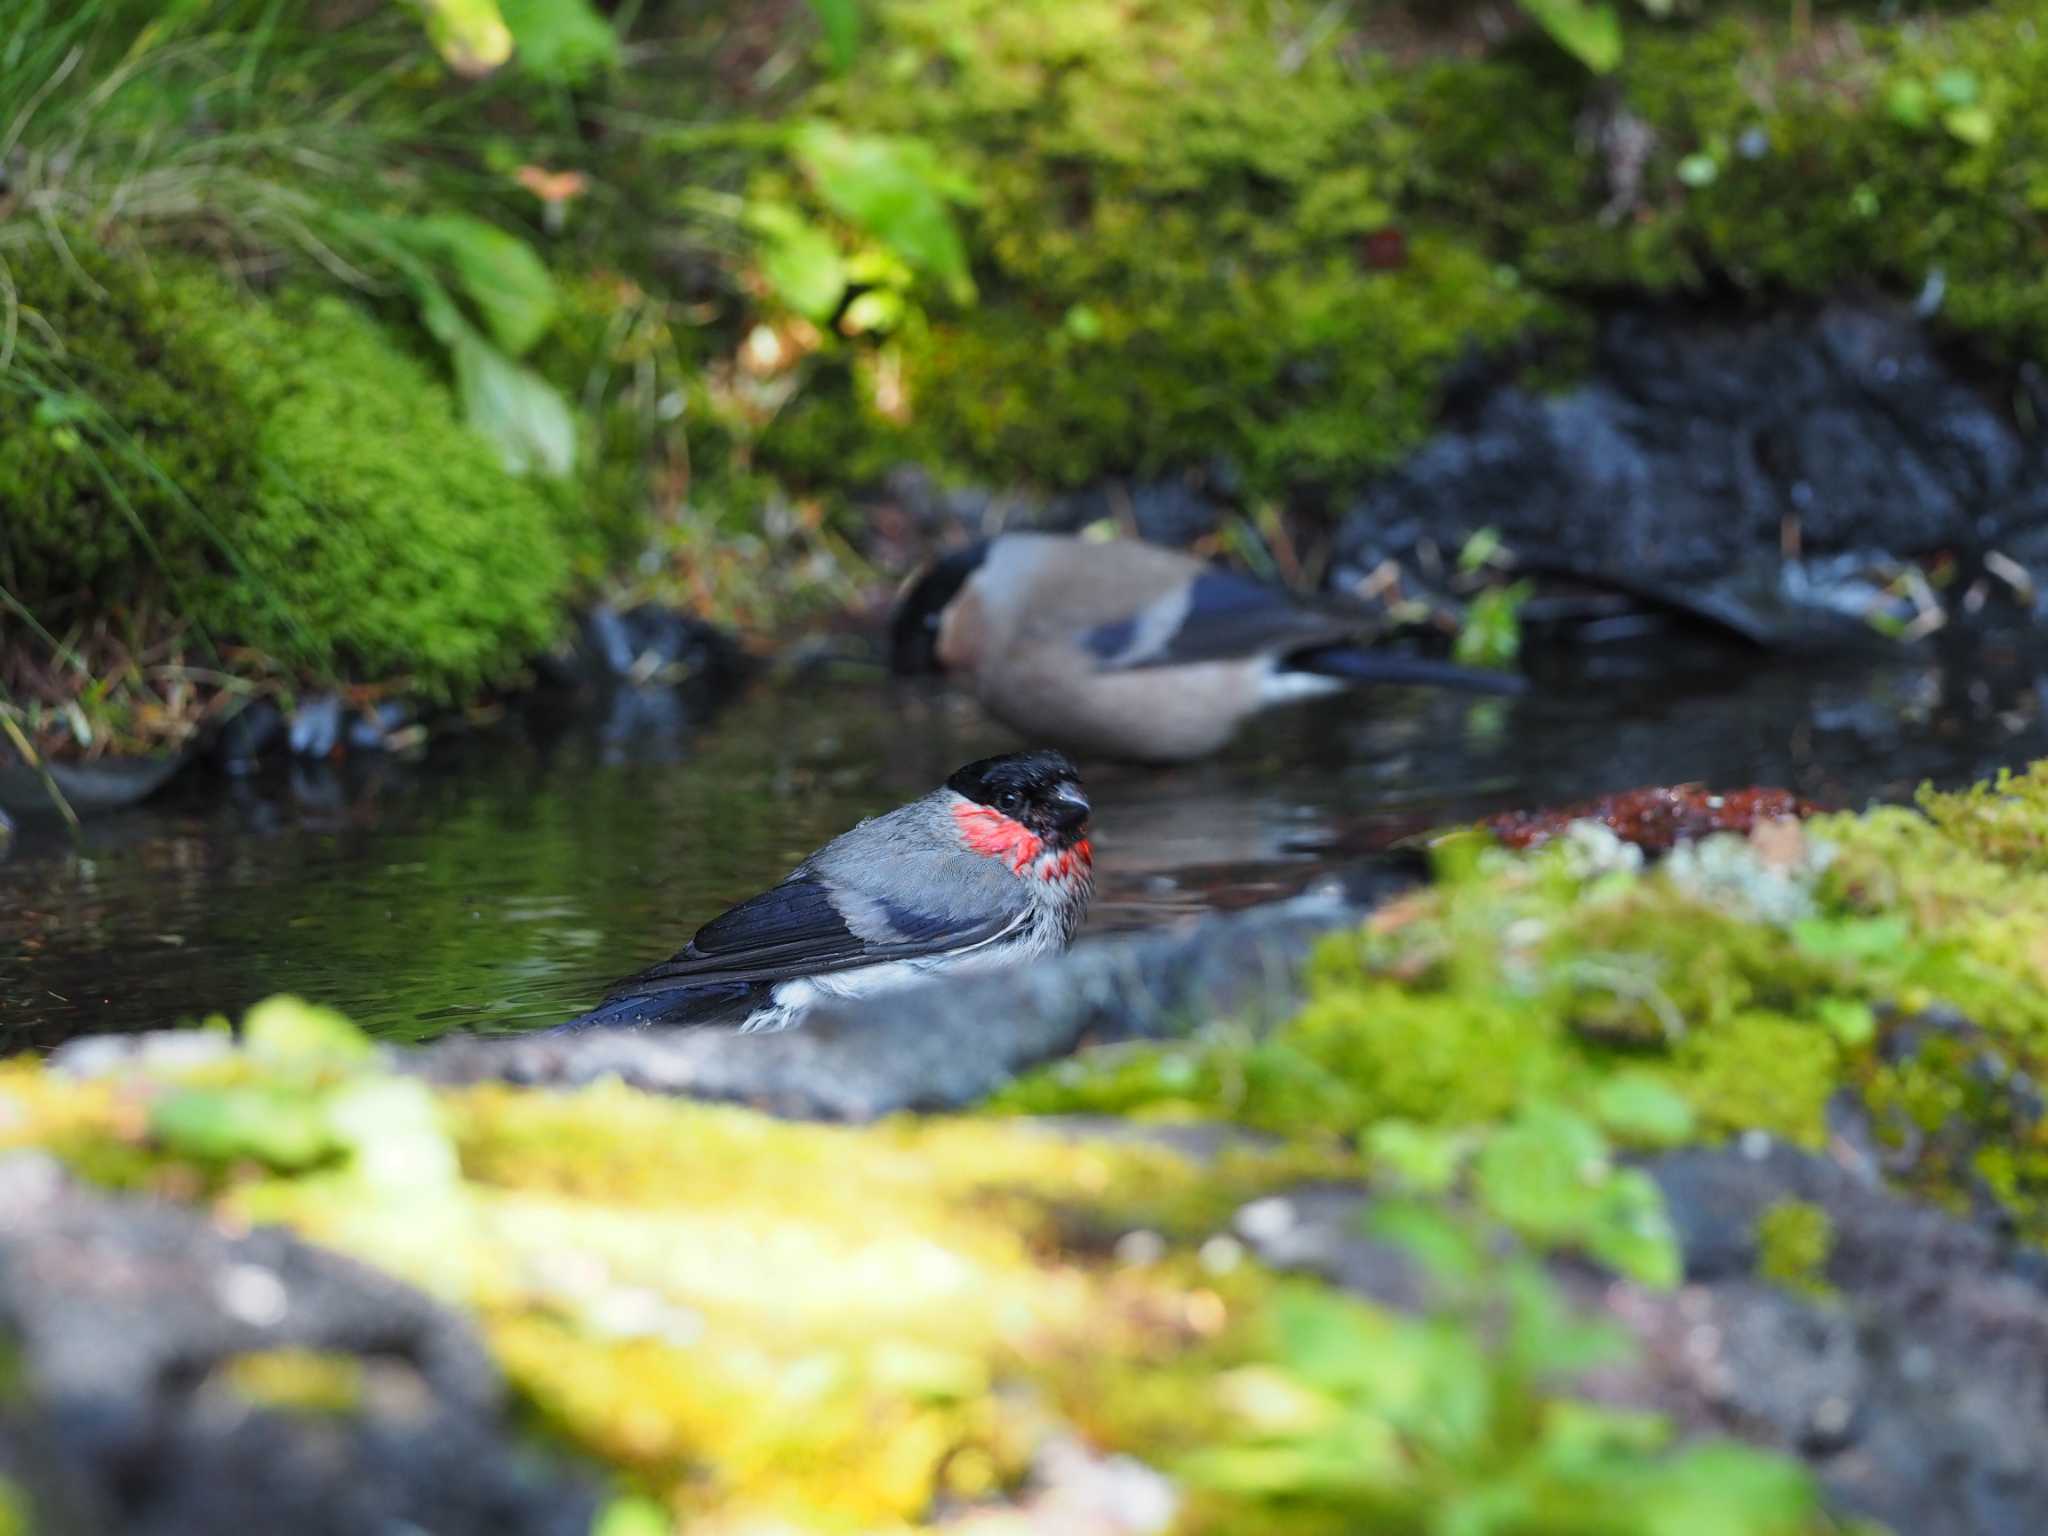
[(298, 1380), (1793, 1240)]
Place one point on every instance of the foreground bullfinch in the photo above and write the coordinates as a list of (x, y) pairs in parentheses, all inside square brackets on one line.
[(1127, 650), (992, 868)]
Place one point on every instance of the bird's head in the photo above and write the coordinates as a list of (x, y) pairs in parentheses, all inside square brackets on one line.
[(1022, 804), (914, 628)]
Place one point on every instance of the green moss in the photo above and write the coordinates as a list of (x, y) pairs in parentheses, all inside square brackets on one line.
[(1188, 242), (281, 472), (1793, 1241), (1895, 957)]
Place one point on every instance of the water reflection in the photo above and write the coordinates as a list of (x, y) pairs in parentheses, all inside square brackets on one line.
[(503, 881)]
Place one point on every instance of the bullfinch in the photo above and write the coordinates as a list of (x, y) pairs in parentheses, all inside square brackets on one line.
[(992, 868), (1127, 650)]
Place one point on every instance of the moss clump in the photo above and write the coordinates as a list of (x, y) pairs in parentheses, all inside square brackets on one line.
[(1189, 243), (279, 471), (1896, 955), (1793, 1241)]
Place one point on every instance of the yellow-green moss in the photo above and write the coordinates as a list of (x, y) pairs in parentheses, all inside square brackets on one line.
[(1793, 1240), (1894, 955), (280, 472)]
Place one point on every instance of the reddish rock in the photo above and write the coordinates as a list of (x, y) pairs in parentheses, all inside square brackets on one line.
[(1655, 818)]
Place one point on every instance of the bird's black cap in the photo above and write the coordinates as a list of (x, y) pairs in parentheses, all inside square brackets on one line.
[(914, 630), (1040, 789)]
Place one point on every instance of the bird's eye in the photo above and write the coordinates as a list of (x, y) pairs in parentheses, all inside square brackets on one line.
[(1009, 800)]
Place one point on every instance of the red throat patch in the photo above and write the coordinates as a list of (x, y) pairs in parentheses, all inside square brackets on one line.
[(988, 831)]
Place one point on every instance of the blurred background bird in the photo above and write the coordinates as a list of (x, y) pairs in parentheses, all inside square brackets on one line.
[(1128, 650)]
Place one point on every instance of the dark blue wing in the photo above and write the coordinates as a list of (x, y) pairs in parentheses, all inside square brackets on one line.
[(790, 930), (1228, 616)]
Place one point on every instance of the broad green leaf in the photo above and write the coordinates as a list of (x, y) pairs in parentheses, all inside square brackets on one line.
[(496, 271), (893, 188), (840, 22), (632, 1516), (470, 35), (517, 409), (799, 260), (563, 42), (1639, 1108), (279, 1128), (1588, 30), (285, 1029)]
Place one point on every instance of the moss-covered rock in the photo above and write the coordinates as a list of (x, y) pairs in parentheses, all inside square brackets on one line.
[(1189, 240), (1893, 955), (282, 472)]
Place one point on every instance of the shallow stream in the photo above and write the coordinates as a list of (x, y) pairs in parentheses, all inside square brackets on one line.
[(505, 879)]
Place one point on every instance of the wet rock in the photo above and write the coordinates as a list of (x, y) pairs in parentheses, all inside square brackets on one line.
[(125, 1318), (316, 726), (1764, 473), (88, 788), (246, 735), (648, 644), (372, 730), (1916, 1387), (948, 1043)]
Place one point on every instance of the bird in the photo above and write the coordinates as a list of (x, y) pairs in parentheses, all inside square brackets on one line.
[(1131, 651), (992, 868)]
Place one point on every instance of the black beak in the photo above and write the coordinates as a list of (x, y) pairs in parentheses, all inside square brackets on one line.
[(1068, 808)]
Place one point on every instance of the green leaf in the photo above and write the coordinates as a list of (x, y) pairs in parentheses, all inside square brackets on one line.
[(1699, 170), (1639, 1108), (561, 42), (280, 1128), (1850, 938), (517, 409), (470, 35), (287, 1030), (632, 1516), (1909, 103), (1849, 1020), (799, 260), (497, 272), (1590, 32), (1491, 635), (895, 190), (1426, 1158), (1973, 125), (1957, 87), (840, 22)]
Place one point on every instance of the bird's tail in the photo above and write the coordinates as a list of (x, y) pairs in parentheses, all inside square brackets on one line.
[(1357, 664)]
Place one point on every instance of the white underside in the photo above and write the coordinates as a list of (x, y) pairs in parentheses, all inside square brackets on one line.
[(1281, 685), (1038, 933)]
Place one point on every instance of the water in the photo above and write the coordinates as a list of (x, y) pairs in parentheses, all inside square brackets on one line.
[(505, 880)]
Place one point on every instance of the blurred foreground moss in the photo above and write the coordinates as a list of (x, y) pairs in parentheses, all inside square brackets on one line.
[(761, 1326)]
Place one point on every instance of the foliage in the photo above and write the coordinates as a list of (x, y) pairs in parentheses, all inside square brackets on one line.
[(849, 1329), (1187, 242)]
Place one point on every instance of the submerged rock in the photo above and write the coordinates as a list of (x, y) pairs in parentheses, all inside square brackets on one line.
[(163, 1375)]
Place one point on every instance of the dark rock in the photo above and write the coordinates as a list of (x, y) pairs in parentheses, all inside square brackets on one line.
[(120, 1315), (944, 1044), (1701, 452), (1916, 1389), (316, 726), (246, 735), (88, 788)]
